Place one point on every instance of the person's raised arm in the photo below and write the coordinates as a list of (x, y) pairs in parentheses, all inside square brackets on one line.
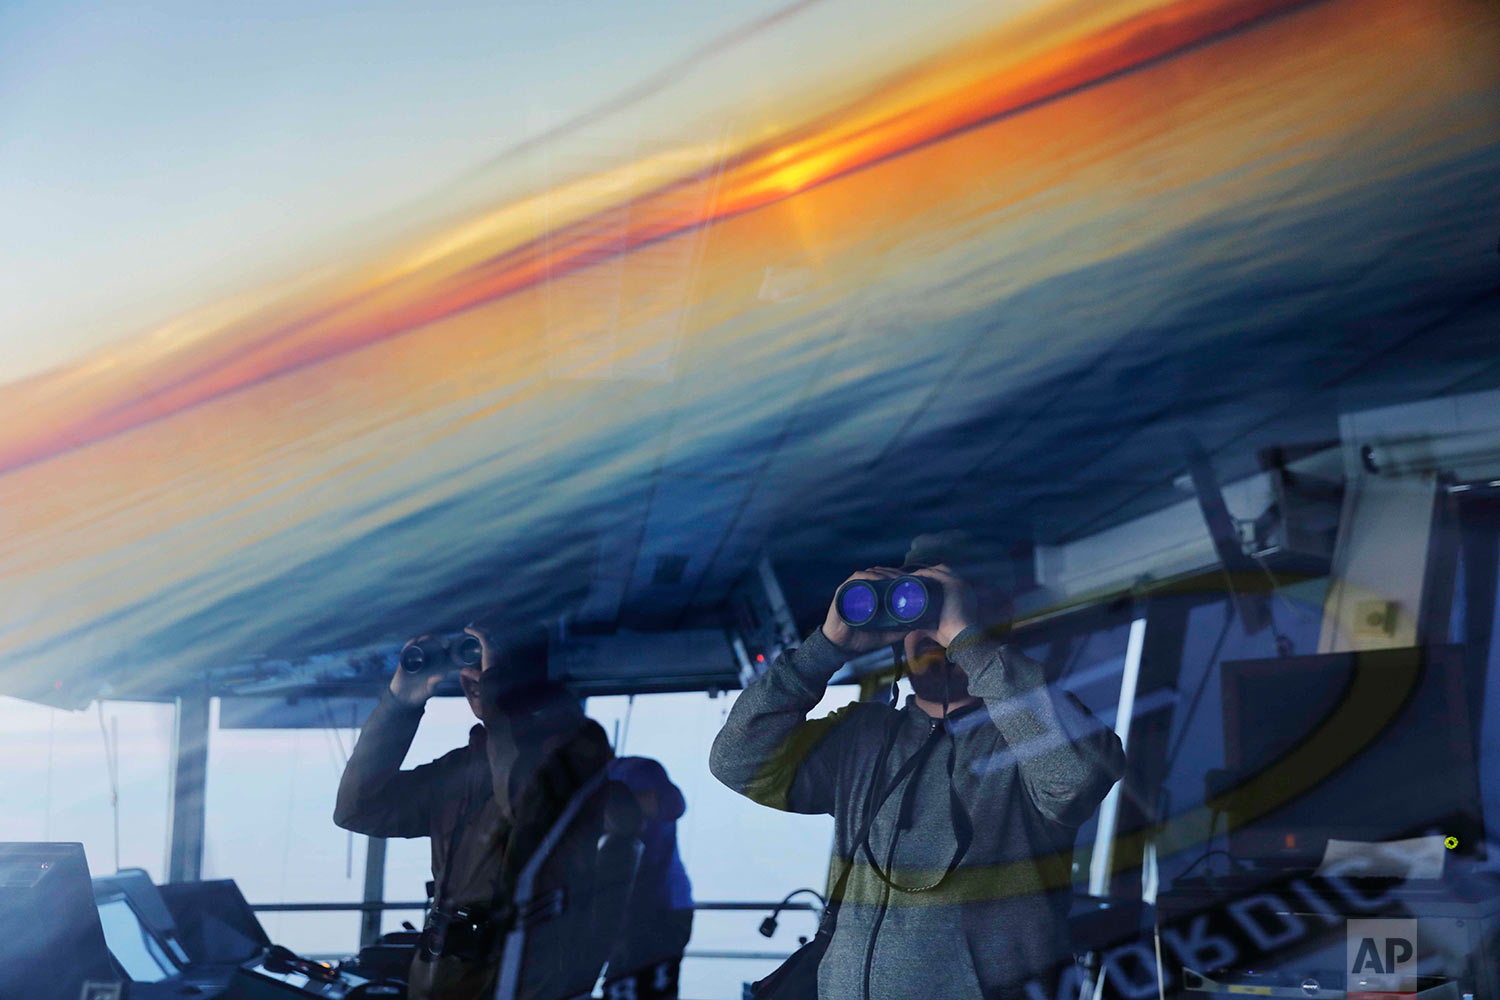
[(1067, 758), (375, 796), (768, 750)]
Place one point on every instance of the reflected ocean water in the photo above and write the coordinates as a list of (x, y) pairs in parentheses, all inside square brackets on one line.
[(1034, 318)]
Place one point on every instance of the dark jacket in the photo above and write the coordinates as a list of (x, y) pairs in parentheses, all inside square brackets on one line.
[(486, 806), (1029, 770)]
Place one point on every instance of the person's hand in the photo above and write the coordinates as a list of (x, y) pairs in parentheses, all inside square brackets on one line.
[(960, 605), (414, 689), (853, 640)]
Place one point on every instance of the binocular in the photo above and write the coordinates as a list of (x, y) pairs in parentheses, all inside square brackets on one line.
[(462, 650), (903, 604)]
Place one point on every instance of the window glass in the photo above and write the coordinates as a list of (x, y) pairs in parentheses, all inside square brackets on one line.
[(55, 770), (269, 826), (1212, 634), (771, 853), (1489, 743), (1474, 629), (627, 331), (139, 955), (774, 853)]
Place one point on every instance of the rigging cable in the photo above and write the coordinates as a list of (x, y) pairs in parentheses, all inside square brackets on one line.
[(51, 737), (112, 766), (331, 731), (625, 732)]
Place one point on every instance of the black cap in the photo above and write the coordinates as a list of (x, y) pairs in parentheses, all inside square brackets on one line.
[(990, 573)]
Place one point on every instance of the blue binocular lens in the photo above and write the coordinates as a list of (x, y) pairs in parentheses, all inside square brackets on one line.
[(908, 599), (858, 603)]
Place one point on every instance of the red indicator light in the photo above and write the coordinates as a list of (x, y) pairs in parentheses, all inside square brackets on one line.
[(760, 657), (1291, 840)]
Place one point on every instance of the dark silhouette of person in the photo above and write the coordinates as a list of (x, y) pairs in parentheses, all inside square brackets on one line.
[(647, 958), (487, 807)]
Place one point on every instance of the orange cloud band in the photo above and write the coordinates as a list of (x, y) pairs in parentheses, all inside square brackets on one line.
[(924, 105)]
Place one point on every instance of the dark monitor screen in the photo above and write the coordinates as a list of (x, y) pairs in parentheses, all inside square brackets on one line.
[(51, 943), (147, 905), (135, 948), (214, 923), (1371, 746)]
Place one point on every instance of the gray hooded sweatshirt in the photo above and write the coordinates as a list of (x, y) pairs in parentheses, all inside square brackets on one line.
[(1029, 767)]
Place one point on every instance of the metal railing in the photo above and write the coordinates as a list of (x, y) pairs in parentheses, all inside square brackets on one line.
[(381, 906), (334, 907), (374, 907)]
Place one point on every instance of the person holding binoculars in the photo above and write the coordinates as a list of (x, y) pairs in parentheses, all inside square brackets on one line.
[(954, 815), (487, 805)]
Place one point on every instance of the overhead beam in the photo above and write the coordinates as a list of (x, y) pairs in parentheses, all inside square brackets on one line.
[(626, 662)]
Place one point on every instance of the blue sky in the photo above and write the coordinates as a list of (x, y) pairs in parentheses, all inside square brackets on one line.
[(152, 145), (154, 156)]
